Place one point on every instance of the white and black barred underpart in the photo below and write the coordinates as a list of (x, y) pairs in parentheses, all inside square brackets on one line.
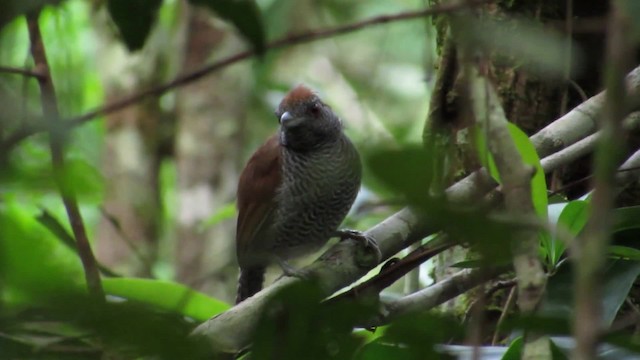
[(319, 186)]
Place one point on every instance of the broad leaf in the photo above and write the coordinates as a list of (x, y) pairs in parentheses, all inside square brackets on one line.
[(134, 19), (618, 279), (166, 295), (243, 14)]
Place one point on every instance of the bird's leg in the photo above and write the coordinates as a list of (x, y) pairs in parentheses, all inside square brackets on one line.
[(289, 270)]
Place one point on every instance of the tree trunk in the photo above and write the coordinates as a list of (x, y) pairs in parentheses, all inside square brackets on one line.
[(127, 235), (211, 116)]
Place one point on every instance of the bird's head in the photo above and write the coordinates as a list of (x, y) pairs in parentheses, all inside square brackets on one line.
[(305, 121)]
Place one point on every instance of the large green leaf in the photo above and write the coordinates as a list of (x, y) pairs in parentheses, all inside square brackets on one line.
[(624, 252), (514, 352), (626, 218), (529, 156), (618, 279), (243, 14), (134, 19), (407, 172), (572, 219), (166, 295), (33, 264)]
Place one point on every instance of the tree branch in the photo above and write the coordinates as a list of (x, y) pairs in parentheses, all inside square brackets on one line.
[(582, 147), (24, 72), (56, 139), (230, 330), (468, 279), (515, 177), (582, 120), (436, 294), (241, 56)]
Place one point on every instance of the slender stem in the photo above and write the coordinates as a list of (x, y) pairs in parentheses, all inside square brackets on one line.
[(591, 251), (25, 72), (56, 143)]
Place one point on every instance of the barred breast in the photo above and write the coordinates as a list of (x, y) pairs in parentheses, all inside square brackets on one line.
[(318, 189)]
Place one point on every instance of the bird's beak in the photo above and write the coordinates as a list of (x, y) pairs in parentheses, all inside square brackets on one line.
[(286, 117)]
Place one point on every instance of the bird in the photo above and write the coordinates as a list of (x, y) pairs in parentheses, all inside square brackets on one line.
[(295, 190)]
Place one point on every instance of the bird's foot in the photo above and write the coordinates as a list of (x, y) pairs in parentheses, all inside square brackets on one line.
[(366, 240), (369, 242)]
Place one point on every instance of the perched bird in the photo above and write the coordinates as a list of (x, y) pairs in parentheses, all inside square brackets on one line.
[(295, 190)]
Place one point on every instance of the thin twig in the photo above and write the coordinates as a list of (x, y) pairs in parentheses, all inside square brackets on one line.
[(115, 223), (398, 268), (25, 72), (243, 55), (51, 112), (53, 225), (567, 56), (511, 300)]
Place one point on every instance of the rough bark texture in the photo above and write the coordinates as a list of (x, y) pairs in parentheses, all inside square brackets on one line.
[(211, 114), (128, 230), (529, 100)]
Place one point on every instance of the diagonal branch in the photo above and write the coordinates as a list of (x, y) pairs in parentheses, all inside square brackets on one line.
[(24, 72), (56, 142), (231, 330)]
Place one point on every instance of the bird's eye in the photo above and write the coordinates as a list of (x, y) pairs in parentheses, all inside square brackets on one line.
[(315, 109)]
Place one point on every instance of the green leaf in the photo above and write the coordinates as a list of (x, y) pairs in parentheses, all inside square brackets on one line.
[(530, 157), (482, 148), (572, 219), (303, 327), (34, 265), (574, 216), (378, 350), (514, 350), (626, 218), (421, 333), (134, 20), (166, 295), (244, 15), (408, 171), (469, 264), (619, 277), (84, 179), (55, 227), (624, 252)]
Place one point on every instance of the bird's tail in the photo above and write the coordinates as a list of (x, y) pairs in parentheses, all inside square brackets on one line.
[(250, 282)]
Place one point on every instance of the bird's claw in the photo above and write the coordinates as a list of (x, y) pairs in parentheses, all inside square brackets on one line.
[(367, 240)]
